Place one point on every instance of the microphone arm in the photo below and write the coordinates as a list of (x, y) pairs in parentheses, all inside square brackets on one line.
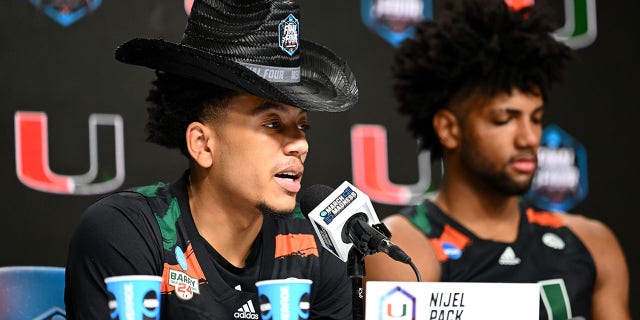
[(366, 240), (369, 239)]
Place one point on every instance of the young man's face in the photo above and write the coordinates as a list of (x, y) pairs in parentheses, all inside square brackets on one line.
[(500, 141), (260, 151)]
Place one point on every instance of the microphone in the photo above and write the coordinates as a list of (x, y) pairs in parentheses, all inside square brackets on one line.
[(344, 218)]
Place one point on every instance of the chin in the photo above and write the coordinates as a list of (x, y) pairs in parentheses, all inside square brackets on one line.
[(519, 188), (276, 211)]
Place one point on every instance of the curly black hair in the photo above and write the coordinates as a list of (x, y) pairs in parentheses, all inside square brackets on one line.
[(176, 102), (474, 46)]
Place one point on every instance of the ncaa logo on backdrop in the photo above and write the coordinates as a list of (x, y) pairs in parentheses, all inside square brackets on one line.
[(394, 20), (66, 12), (560, 181), (54, 313), (397, 304)]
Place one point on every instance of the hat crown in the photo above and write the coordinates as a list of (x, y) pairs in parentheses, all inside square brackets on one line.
[(245, 31), (251, 46)]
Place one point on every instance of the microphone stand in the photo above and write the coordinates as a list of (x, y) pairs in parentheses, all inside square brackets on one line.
[(356, 271)]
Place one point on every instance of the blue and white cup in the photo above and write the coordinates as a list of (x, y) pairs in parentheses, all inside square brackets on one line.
[(284, 299), (134, 297)]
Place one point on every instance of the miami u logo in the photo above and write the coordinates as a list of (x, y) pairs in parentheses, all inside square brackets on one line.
[(397, 304), (32, 156), (390, 313), (580, 28), (370, 168)]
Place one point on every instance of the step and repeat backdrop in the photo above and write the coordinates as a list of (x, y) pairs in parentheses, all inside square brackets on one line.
[(72, 117)]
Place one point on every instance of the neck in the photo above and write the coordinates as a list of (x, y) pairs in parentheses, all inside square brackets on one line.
[(485, 212), (230, 229)]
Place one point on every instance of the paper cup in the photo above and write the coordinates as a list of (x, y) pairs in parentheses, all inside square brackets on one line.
[(284, 299), (134, 297)]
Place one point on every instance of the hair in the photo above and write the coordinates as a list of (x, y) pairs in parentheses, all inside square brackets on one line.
[(477, 48), (176, 102)]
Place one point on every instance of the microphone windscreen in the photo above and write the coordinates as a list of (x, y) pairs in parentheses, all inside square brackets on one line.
[(312, 197)]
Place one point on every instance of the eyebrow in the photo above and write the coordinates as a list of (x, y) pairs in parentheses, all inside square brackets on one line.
[(271, 105), (513, 111)]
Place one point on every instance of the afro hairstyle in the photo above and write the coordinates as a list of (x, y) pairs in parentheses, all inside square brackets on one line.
[(473, 46), (175, 102)]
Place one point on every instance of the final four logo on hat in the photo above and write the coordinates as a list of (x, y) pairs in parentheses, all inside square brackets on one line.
[(289, 34), (251, 46)]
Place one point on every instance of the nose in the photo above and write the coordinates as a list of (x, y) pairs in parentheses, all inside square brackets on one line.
[(528, 135), (296, 144)]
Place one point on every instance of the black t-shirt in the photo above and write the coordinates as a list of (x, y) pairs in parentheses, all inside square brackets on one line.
[(545, 252), (150, 230)]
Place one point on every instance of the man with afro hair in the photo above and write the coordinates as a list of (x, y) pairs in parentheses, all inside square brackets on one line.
[(473, 83)]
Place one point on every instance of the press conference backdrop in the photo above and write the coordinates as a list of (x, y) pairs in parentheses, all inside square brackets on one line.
[(73, 117)]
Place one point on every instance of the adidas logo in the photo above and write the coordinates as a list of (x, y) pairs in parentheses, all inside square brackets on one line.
[(246, 311), (508, 258)]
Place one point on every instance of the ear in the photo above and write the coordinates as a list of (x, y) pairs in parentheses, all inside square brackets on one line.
[(447, 128), (200, 143)]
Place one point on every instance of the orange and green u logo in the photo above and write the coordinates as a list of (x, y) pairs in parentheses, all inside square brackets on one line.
[(392, 315)]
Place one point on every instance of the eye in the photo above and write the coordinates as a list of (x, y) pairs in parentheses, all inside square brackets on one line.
[(501, 120), (537, 118), (273, 124), (304, 127), (501, 117)]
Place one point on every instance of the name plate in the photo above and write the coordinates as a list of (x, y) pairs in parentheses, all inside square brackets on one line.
[(451, 300)]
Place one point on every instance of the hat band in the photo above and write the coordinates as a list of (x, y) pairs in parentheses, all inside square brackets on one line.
[(275, 74)]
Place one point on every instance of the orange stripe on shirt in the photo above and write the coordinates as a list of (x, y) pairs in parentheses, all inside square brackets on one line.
[(298, 244), (449, 235), (544, 218)]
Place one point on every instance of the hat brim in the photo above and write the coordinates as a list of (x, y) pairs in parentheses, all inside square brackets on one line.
[(326, 82)]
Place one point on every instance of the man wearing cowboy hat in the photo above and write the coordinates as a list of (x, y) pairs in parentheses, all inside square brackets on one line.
[(233, 96)]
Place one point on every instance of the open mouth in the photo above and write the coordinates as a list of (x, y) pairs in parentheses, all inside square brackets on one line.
[(289, 180), (288, 175)]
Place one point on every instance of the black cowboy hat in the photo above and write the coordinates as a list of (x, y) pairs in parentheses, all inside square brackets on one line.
[(251, 46)]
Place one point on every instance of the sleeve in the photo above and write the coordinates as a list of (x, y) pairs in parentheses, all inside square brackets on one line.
[(117, 235), (333, 299)]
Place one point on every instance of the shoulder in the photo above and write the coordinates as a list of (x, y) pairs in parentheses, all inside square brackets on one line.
[(595, 235), (117, 218), (117, 234), (405, 234), (587, 229), (611, 290), (401, 224), (116, 206)]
